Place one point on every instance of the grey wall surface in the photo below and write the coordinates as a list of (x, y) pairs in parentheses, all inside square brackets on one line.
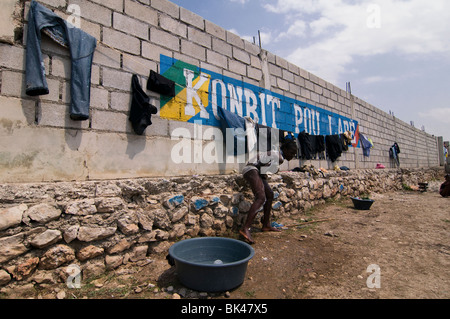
[(39, 141)]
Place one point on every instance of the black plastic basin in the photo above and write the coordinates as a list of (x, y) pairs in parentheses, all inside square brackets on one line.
[(362, 204), (211, 264)]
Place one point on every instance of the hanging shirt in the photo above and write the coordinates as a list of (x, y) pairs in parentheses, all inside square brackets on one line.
[(366, 145)]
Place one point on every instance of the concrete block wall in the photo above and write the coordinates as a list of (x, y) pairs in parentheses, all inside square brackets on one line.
[(39, 142)]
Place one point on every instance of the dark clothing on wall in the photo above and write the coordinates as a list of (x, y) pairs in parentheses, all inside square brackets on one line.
[(310, 145), (306, 145), (141, 110), (160, 84), (334, 146), (319, 143), (81, 46)]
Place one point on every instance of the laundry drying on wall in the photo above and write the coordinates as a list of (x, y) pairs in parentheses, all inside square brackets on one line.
[(393, 153), (160, 84), (366, 144), (141, 110), (312, 146), (81, 46)]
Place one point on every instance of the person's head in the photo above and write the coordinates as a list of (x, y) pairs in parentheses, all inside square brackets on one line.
[(289, 149), (447, 177)]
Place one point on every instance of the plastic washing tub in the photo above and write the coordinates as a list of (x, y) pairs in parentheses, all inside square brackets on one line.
[(362, 204), (211, 264)]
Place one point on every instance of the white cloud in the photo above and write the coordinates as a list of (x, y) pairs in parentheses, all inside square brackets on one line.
[(240, 1), (378, 79), (440, 115), (436, 121), (297, 29), (343, 30)]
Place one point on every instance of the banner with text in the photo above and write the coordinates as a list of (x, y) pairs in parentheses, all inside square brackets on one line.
[(199, 94)]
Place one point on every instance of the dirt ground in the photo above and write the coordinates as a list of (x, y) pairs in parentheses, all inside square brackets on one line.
[(405, 233)]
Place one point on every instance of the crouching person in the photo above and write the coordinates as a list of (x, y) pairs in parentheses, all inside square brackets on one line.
[(445, 187)]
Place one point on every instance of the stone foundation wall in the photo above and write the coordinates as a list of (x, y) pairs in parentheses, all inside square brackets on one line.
[(101, 225)]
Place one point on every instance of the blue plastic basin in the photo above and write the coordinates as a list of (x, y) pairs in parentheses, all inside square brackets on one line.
[(211, 264)]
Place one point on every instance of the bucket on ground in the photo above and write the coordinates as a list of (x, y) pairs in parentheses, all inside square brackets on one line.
[(211, 264)]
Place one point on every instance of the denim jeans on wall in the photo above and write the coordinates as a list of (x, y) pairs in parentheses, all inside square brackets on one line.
[(81, 46)]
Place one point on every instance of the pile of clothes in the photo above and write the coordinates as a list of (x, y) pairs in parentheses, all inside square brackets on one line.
[(312, 146)]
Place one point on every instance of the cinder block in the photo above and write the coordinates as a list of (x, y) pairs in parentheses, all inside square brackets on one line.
[(159, 127), (110, 121), (95, 75), (254, 73), (216, 59), (130, 26), (94, 12), (117, 79), (141, 12), (275, 70), (137, 65), (174, 26), (255, 62), (192, 18), (7, 25), (210, 67), (57, 115), (281, 62), (295, 89), (167, 7), (61, 67), (199, 37), (252, 48), (241, 55), (99, 98), (282, 84), (106, 56), (193, 50), (113, 4), (222, 47), (121, 101), (12, 57), (298, 80), (215, 30), (235, 40), (186, 58), (153, 52), (165, 39), (237, 67), (121, 41), (13, 84), (318, 89)]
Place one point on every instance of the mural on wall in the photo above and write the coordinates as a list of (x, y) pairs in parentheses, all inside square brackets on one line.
[(199, 93)]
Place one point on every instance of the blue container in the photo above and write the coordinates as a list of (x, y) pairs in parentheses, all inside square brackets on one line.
[(211, 264)]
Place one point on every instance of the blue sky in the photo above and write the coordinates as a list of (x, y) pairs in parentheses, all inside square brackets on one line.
[(395, 53)]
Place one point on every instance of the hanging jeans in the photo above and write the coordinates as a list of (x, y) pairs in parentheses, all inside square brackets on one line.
[(81, 46)]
